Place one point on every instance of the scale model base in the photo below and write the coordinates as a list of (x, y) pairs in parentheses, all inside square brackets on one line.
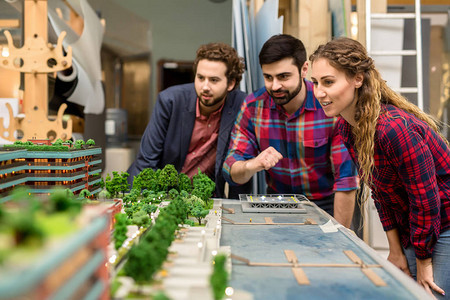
[(268, 203)]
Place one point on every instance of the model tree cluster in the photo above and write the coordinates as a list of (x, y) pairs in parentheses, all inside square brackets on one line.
[(117, 184), (186, 198), (120, 230), (58, 145), (150, 187), (147, 257)]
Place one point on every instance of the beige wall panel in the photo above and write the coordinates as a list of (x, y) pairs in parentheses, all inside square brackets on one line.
[(135, 94), (288, 9), (314, 23), (304, 22), (436, 61)]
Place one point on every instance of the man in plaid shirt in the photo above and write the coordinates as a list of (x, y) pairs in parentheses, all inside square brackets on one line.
[(283, 130)]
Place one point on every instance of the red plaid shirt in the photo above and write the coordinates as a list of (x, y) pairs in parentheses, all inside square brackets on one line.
[(411, 178), (315, 161)]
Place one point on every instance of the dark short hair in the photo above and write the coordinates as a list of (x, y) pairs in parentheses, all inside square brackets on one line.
[(226, 54), (283, 46)]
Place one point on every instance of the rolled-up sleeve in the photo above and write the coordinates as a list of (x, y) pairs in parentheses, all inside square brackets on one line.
[(243, 145)]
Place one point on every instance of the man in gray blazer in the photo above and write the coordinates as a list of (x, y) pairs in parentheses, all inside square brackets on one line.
[(191, 123)]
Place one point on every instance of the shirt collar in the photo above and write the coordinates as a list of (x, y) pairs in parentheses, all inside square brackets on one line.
[(199, 115)]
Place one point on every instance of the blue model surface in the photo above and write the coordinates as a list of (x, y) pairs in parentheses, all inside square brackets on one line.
[(266, 243)]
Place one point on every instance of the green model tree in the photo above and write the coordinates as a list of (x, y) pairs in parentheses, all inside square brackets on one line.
[(140, 264), (90, 143), (149, 208), (120, 230), (191, 202), (115, 184), (199, 212), (184, 183), (173, 193), (58, 142), (219, 277), (123, 183), (203, 186), (137, 183), (168, 178), (26, 229), (159, 246), (146, 193), (61, 200), (118, 183), (22, 222), (140, 218), (108, 185), (79, 144), (147, 179), (85, 193)]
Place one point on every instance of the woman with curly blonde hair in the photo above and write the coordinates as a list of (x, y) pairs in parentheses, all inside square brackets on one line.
[(400, 154)]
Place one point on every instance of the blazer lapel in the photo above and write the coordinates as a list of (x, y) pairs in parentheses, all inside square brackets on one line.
[(226, 125), (187, 125)]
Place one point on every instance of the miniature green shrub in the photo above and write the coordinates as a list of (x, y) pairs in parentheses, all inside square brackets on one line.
[(140, 218), (25, 228), (184, 183), (219, 277), (168, 178), (62, 200), (203, 186), (141, 262), (199, 212), (120, 230)]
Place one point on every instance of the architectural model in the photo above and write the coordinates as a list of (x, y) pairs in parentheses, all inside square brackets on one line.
[(289, 203), (75, 168)]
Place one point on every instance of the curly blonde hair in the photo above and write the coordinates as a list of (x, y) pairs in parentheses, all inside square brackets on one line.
[(350, 57)]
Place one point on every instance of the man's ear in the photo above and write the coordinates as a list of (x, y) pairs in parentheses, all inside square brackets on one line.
[(304, 70), (231, 85)]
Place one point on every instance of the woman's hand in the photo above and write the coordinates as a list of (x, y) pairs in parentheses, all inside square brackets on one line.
[(396, 255), (399, 260), (425, 276)]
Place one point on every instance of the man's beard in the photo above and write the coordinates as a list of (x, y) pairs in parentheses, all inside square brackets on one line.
[(288, 95), (213, 101)]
